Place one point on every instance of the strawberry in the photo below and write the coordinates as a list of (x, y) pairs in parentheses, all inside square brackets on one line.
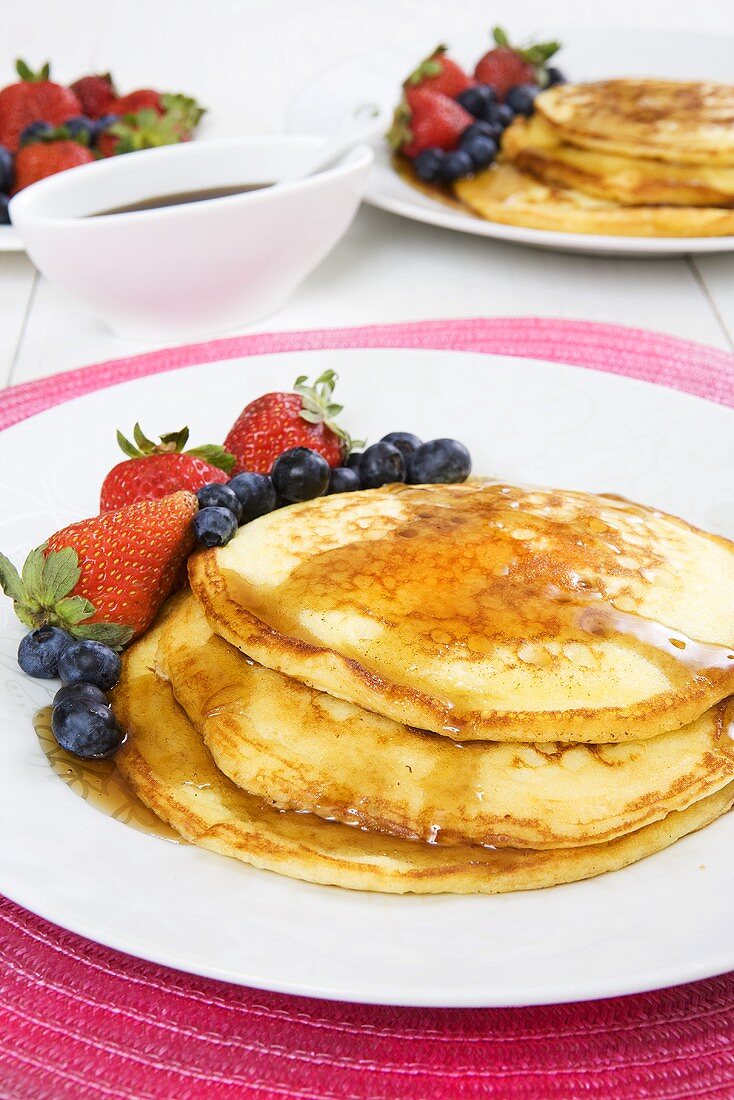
[(106, 577), (424, 118), (45, 157), (148, 129), (276, 422), (34, 98), (144, 99), (441, 74), (153, 470), (96, 94), (506, 65)]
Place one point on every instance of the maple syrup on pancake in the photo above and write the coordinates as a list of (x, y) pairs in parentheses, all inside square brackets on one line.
[(100, 783)]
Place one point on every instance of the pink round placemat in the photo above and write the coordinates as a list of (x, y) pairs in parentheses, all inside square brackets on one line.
[(79, 1020)]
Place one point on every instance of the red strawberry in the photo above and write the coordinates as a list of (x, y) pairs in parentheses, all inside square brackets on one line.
[(506, 65), (153, 470), (46, 157), (105, 577), (276, 422), (147, 129), (96, 94), (425, 118), (144, 99), (441, 74), (34, 98)]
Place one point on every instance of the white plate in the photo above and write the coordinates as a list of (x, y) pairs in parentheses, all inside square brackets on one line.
[(589, 53), (9, 240), (665, 920)]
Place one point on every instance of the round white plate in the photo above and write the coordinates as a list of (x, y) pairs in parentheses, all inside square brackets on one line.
[(664, 920), (589, 53), (9, 239)]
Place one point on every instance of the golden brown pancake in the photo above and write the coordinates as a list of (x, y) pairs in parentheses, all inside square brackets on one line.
[(167, 765), (485, 611), (302, 749), (534, 146), (687, 122)]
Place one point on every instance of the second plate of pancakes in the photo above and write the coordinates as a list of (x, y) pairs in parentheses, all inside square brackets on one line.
[(662, 920), (555, 214)]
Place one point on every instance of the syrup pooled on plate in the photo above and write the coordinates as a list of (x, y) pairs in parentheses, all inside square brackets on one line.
[(99, 783)]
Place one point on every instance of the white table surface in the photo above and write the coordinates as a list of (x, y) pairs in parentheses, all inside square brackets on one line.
[(256, 54)]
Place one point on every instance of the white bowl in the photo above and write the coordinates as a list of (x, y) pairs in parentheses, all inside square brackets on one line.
[(195, 269)]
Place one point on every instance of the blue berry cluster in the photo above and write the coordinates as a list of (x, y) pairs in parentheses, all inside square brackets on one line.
[(302, 474)]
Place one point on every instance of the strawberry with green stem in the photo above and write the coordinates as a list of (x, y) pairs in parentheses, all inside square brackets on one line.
[(506, 65)]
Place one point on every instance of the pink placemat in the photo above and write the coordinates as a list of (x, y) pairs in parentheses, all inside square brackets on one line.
[(78, 1020)]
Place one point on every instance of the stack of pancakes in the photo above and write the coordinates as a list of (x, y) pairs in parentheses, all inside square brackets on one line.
[(623, 157), (443, 688)]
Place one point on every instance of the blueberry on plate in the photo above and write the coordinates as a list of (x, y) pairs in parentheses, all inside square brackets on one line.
[(39, 651), (256, 494), (4, 212), (300, 474), (103, 123), (381, 464), (457, 165), (501, 115), (89, 662), (405, 442), (214, 526), (34, 130), (554, 76), (485, 129), (343, 480), (86, 729), (428, 165), (477, 100), (82, 127), (440, 461), (6, 170), (520, 98), (220, 496), (353, 460), (80, 693), (482, 151)]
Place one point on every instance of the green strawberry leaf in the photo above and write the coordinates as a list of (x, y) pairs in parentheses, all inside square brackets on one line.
[(10, 581), (146, 445), (73, 609), (216, 455), (126, 446), (61, 574), (32, 575), (176, 441), (500, 36), (109, 633)]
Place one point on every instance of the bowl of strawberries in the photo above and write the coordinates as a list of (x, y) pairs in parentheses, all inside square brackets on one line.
[(47, 127)]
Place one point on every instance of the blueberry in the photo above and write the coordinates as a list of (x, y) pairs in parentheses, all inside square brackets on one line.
[(353, 460), (6, 170), (86, 729), (82, 127), (79, 693), (300, 474), (4, 213), (214, 526), (440, 461), (39, 651), (255, 493), (89, 662), (405, 442), (220, 496), (554, 76), (501, 115), (428, 165), (482, 151), (483, 129), (35, 130), (381, 464), (101, 124), (343, 480), (477, 100), (520, 98), (457, 165)]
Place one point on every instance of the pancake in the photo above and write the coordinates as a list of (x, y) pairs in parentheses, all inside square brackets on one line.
[(484, 611), (167, 765), (301, 749), (685, 122), (535, 146), (506, 195)]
